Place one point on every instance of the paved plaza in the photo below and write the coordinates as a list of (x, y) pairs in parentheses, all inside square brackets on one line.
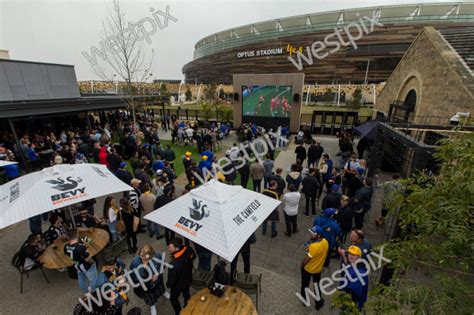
[(277, 259)]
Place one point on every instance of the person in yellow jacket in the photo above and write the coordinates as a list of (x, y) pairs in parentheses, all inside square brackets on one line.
[(313, 263)]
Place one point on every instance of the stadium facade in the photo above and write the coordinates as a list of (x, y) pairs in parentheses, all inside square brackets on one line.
[(265, 47)]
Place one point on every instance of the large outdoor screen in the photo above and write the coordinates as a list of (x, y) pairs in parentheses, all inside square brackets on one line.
[(266, 101)]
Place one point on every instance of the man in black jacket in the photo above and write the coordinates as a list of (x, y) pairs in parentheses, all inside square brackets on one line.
[(315, 151), (181, 275), (281, 184), (300, 153), (162, 200), (333, 199), (310, 190), (244, 173)]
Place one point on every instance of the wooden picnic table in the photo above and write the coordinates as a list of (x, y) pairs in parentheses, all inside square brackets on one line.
[(233, 302), (55, 258)]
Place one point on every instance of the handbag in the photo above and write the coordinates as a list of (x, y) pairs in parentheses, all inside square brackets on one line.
[(120, 226), (136, 223)]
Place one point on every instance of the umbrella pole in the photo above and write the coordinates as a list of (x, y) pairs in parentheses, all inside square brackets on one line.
[(72, 217)]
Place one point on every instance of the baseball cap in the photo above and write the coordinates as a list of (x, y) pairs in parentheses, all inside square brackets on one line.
[(159, 172), (123, 165), (316, 230), (329, 212), (188, 153), (227, 152), (354, 250), (204, 157), (135, 181), (335, 187)]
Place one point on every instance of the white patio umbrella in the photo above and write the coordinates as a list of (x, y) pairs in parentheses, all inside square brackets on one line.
[(55, 187), (217, 216), (5, 163)]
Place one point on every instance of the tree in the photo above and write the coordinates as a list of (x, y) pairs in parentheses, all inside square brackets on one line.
[(206, 112), (125, 57), (228, 114), (188, 94), (210, 93), (433, 257), (356, 99)]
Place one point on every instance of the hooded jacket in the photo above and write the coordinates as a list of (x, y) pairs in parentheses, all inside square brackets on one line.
[(294, 178), (181, 275)]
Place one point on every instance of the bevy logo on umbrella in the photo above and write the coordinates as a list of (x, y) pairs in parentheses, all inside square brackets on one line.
[(68, 188), (196, 213)]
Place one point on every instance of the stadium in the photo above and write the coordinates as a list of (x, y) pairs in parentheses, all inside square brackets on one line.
[(265, 47)]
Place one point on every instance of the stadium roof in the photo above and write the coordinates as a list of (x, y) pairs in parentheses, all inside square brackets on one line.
[(460, 12)]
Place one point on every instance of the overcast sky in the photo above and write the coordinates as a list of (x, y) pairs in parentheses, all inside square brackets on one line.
[(58, 31)]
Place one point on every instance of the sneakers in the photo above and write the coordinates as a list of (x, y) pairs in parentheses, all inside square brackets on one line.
[(159, 237), (274, 234), (166, 295)]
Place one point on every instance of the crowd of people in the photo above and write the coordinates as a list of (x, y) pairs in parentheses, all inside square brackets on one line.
[(337, 193)]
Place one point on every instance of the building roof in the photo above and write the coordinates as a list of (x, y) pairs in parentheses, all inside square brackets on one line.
[(462, 41), (24, 80), (427, 13)]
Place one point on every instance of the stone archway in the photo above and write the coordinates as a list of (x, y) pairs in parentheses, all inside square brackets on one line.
[(410, 93)]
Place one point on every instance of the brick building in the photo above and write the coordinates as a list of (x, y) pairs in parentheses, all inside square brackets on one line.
[(433, 81)]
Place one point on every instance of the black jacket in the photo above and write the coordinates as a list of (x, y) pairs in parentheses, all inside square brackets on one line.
[(332, 200), (344, 218), (300, 153), (315, 152), (281, 184), (181, 275), (124, 176), (114, 161), (162, 200), (310, 185)]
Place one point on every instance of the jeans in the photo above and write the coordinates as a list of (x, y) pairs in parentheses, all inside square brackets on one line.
[(88, 279), (35, 224), (290, 221), (244, 180), (131, 240), (310, 200), (257, 183), (359, 219), (306, 279), (169, 235), (153, 228), (264, 227), (174, 298), (204, 261), (113, 230), (233, 265), (266, 182)]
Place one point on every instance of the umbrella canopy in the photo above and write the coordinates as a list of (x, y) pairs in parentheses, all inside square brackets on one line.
[(55, 187), (5, 163), (367, 130), (216, 216)]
